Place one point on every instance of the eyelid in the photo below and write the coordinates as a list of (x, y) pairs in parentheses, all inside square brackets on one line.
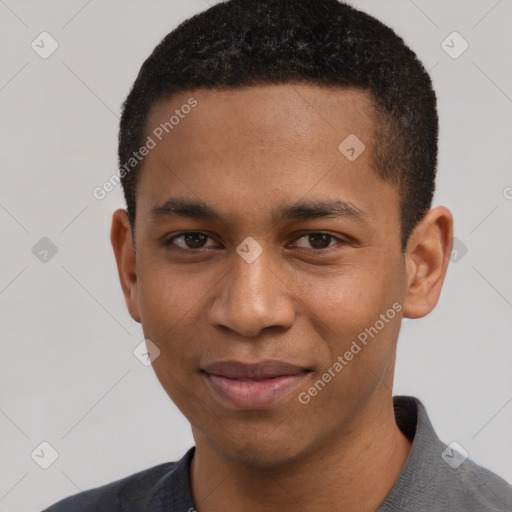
[(170, 241), (339, 240)]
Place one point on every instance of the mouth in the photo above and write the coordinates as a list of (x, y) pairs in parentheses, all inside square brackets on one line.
[(255, 385)]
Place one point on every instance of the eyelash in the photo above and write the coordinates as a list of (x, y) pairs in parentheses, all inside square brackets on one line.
[(340, 241)]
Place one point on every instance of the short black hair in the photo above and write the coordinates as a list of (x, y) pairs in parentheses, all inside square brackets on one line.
[(241, 43)]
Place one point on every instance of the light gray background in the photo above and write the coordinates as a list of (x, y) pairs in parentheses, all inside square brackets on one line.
[(67, 372)]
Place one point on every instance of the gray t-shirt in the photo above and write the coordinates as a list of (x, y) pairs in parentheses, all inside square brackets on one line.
[(435, 478)]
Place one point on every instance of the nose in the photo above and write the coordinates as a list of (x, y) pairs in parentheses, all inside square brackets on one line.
[(253, 297)]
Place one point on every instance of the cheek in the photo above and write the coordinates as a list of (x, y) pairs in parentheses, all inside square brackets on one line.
[(352, 299), (173, 312), (171, 308), (168, 297), (358, 317), (357, 312)]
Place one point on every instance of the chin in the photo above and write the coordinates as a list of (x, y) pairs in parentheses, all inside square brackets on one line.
[(265, 455)]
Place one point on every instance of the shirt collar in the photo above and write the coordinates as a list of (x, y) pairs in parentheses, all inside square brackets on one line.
[(424, 456)]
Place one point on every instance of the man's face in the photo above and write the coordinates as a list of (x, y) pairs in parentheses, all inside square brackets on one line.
[(319, 282)]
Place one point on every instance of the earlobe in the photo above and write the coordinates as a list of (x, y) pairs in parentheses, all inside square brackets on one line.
[(122, 243), (427, 257)]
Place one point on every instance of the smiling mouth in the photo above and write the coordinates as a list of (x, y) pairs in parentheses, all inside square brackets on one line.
[(265, 369), (253, 386)]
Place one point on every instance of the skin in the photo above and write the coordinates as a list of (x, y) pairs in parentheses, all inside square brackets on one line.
[(245, 152)]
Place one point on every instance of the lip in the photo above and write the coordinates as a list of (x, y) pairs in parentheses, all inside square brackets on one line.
[(253, 385), (255, 371)]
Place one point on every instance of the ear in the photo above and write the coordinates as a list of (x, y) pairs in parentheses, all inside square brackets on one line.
[(426, 261), (124, 250)]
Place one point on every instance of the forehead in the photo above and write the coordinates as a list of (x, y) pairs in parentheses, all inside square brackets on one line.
[(267, 144), (271, 129), (295, 111)]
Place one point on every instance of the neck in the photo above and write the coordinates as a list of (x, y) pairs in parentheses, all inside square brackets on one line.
[(355, 471)]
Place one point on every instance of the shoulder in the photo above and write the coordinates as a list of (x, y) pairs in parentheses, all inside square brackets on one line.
[(468, 488), (475, 488), (439, 477), (129, 494)]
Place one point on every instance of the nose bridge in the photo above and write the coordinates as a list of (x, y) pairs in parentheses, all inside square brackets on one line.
[(253, 281), (252, 296)]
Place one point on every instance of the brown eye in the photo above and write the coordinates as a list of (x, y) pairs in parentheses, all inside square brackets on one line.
[(194, 240), (318, 241), (191, 240)]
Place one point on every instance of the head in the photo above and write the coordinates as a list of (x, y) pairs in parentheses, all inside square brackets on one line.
[(296, 144)]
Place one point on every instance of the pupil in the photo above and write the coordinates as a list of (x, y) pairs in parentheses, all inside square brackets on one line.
[(195, 240), (320, 237)]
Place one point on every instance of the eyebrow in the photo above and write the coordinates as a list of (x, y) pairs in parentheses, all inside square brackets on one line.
[(302, 210)]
